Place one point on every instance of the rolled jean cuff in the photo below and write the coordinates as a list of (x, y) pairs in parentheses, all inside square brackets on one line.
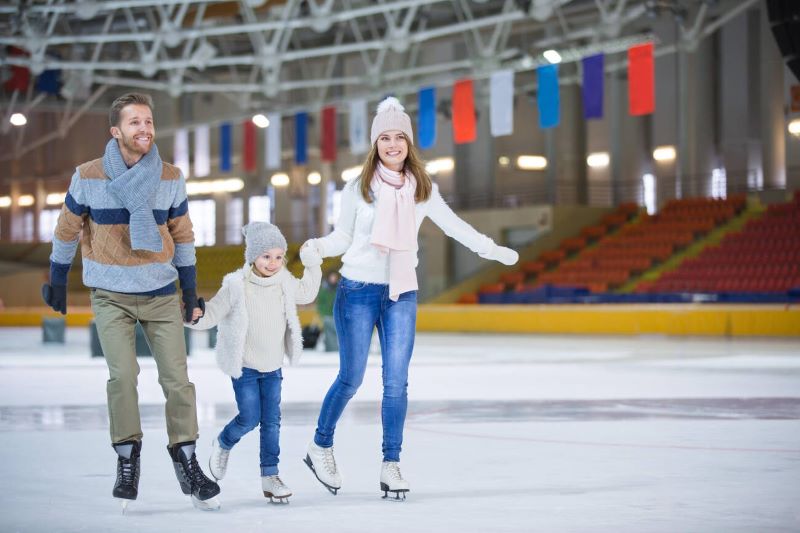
[(269, 471)]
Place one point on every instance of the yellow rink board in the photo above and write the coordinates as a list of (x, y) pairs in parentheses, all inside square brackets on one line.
[(641, 319)]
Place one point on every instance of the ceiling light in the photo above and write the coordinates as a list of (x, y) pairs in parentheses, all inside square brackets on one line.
[(552, 56), (794, 127), (532, 162), (55, 198), (281, 179), (443, 164), (503, 161), (18, 119), (350, 173), (195, 187), (598, 160), (664, 153), (5, 201), (314, 178), (260, 120), (25, 200)]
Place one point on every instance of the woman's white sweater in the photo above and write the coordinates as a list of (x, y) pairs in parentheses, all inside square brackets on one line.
[(361, 260)]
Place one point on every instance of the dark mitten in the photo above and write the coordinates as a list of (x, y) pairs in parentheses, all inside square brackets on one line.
[(56, 297), (189, 303)]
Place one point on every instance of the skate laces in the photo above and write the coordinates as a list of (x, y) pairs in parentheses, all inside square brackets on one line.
[(277, 483), (393, 469), (196, 473), (328, 460), (222, 458), (125, 470)]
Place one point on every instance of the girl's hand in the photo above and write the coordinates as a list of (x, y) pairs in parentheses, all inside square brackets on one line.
[(197, 314)]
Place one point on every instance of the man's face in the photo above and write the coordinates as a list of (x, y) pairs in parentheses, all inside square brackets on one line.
[(136, 131)]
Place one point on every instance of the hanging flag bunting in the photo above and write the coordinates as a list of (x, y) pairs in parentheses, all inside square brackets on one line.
[(225, 138), (249, 147), (49, 82), (593, 77), (426, 119), (328, 133), (273, 142), (641, 80), (501, 103), (300, 141), (358, 127), (549, 104), (180, 151), (20, 76), (464, 126), (202, 151)]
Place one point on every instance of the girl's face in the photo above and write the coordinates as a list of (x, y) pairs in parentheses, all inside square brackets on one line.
[(270, 262), (392, 149)]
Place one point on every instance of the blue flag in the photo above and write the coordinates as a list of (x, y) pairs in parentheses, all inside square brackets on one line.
[(300, 141), (593, 76), (426, 127), (225, 137), (547, 76)]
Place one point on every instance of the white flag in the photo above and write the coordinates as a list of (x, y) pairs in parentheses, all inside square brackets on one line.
[(502, 103), (180, 151), (202, 152), (358, 127), (273, 142)]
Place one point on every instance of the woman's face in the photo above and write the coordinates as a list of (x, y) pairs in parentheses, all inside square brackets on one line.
[(392, 149), (270, 262)]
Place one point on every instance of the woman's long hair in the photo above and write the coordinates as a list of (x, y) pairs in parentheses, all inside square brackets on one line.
[(413, 164)]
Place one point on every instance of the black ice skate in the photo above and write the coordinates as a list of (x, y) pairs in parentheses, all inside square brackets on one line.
[(126, 487), (191, 478)]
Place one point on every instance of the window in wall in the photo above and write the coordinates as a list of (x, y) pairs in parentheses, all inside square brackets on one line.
[(649, 193), (234, 221), (47, 224), (719, 183), (755, 179), (334, 206), (22, 230), (204, 220), (260, 207)]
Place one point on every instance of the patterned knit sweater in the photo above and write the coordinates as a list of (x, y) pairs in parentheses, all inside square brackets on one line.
[(109, 262)]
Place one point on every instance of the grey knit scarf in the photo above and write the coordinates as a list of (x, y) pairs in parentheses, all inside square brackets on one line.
[(136, 188)]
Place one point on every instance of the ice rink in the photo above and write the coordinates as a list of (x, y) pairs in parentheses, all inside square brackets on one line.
[(504, 433)]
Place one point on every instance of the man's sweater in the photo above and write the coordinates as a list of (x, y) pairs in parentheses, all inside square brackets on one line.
[(108, 261), (361, 260)]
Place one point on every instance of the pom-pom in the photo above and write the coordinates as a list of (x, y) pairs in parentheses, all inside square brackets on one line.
[(390, 103)]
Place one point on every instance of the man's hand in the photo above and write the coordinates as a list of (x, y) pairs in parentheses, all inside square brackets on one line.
[(56, 297), (190, 303)]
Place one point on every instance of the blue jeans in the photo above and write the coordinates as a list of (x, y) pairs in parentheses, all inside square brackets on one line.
[(258, 397), (358, 309)]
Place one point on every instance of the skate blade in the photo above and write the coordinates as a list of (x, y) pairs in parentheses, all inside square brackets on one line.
[(399, 495), (278, 500), (310, 465), (211, 504), (124, 503)]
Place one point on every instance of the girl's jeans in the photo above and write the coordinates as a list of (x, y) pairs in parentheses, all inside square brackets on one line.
[(358, 309), (258, 397)]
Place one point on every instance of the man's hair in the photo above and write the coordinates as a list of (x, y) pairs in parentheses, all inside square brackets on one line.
[(126, 100)]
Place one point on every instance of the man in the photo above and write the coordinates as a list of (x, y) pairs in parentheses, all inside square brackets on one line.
[(137, 240)]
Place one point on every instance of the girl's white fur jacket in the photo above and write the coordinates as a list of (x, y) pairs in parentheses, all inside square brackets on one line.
[(233, 324)]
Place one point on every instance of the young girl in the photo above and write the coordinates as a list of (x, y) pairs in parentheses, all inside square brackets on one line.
[(377, 232), (256, 314)]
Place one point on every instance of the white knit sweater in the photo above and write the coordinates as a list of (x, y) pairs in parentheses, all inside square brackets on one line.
[(361, 260), (257, 318)]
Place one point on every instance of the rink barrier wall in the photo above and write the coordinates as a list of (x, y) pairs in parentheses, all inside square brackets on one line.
[(672, 319)]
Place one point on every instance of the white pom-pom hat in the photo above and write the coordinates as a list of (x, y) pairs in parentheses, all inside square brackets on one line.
[(391, 115)]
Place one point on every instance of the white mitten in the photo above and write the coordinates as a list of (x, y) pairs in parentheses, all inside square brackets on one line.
[(309, 256), (504, 255)]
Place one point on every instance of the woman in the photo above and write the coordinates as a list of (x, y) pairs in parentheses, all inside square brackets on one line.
[(377, 232)]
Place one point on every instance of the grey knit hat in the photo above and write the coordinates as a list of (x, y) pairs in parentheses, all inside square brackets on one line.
[(260, 237)]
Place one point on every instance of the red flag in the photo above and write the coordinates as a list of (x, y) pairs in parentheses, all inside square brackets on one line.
[(20, 76), (328, 134), (249, 146), (464, 128), (641, 80)]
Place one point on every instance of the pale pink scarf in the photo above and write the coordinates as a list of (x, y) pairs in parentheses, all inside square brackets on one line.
[(394, 230)]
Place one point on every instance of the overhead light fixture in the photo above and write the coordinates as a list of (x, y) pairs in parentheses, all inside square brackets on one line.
[(314, 178), (55, 198), (281, 179), (532, 162), (552, 56), (664, 153), (5, 201), (25, 200), (260, 120), (794, 127), (503, 161), (598, 160), (443, 164), (196, 187), (351, 173), (18, 119)]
